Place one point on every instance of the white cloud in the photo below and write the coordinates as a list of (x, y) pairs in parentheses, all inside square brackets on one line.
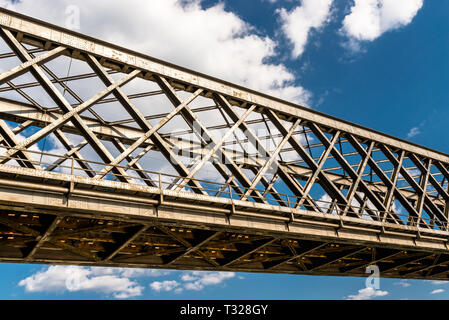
[(437, 291), (297, 24), (438, 282), (369, 19), (109, 281), (402, 283), (213, 41), (367, 294), (192, 280), (413, 132), (166, 285), (197, 280)]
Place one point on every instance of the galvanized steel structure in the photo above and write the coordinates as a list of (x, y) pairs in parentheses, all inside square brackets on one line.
[(323, 197)]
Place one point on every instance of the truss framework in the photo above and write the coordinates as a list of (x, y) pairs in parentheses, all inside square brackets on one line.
[(303, 163)]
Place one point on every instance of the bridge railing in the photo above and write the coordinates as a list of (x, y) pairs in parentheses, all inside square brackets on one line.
[(164, 181)]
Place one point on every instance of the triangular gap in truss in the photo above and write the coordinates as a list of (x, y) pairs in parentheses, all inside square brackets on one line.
[(73, 74), (429, 221), (14, 96), (8, 59), (348, 151), (440, 180), (321, 154), (36, 95), (207, 173), (5, 145), (213, 121), (323, 200), (60, 66), (383, 163), (134, 178), (10, 63), (411, 169), (92, 158), (146, 96), (365, 208), (137, 86), (180, 136), (153, 162), (113, 150), (210, 179), (401, 213), (109, 112), (362, 165), (311, 144), (280, 192), (4, 48)]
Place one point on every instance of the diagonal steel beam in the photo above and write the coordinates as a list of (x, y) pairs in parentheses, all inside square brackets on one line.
[(213, 148), (134, 164), (146, 136), (319, 167), (440, 260), (289, 181), (24, 158), (355, 183), (131, 236), (305, 248), (380, 255), (187, 244), (35, 233), (435, 211), (72, 151), (53, 92), (206, 138), (325, 182), (193, 247), (244, 250), (345, 165), (272, 159), (335, 256), (150, 132), (41, 239), (27, 65), (385, 268)]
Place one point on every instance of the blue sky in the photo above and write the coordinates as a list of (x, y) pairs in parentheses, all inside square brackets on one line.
[(386, 68)]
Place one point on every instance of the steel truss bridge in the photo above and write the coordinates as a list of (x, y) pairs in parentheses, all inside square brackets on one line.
[(109, 157)]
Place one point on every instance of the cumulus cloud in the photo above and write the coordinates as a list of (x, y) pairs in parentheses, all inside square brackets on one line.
[(166, 285), (193, 280), (109, 281), (402, 283), (213, 40), (367, 294), (115, 282), (369, 19), (413, 132), (438, 282), (437, 291), (299, 22)]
